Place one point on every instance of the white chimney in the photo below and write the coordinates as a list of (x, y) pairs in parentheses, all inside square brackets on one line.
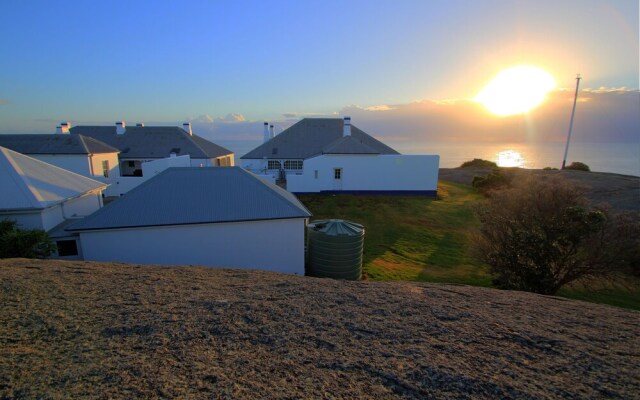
[(121, 127), (187, 127), (271, 133), (347, 127), (266, 135), (63, 128), (140, 124)]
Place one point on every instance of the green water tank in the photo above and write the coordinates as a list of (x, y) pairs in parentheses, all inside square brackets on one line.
[(334, 249)]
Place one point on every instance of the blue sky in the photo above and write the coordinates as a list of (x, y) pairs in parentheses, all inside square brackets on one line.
[(166, 61)]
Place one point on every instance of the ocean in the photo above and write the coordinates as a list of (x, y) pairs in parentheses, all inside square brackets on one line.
[(620, 158)]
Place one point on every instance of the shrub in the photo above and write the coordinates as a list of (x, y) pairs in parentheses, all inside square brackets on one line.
[(540, 235), (496, 180), (31, 243), (549, 169), (578, 166), (478, 163)]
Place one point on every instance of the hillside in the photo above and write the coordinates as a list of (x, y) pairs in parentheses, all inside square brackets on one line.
[(90, 330)]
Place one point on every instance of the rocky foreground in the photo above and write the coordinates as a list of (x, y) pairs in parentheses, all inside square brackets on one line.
[(91, 330)]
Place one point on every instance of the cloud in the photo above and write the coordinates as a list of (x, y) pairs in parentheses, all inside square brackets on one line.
[(604, 114), (233, 117), (4, 102), (380, 108), (290, 115), (202, 119)]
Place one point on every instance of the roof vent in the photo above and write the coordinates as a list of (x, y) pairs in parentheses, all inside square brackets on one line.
[(271, 133), (266, 136), (187, 127), (140, 124), (346, 131), (121, 127)]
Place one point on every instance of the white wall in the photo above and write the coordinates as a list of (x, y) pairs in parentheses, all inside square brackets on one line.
[(275, 245), (367, 173), (114, 165), (82, 206), (122, 184)]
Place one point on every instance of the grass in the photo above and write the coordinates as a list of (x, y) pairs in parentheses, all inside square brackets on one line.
[(421, 239), (412, 238)]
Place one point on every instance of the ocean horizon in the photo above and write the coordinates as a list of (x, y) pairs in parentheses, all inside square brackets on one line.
[(618, 158)]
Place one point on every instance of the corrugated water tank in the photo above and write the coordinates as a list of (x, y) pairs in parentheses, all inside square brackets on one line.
[(334, 249)]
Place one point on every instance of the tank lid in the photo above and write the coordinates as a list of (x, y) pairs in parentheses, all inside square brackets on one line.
[(337, 227)]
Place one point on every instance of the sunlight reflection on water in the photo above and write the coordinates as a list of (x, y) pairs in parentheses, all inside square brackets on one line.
[(510, 158)]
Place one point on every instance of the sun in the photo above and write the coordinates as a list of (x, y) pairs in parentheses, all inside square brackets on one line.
[(516, 90)]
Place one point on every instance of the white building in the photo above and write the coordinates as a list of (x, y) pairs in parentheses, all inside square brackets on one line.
[(223, 217), (76, 153), (38, 195), (140, 143), (330, 155)]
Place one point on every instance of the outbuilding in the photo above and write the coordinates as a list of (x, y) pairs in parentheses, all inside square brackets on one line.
[(225, 217)]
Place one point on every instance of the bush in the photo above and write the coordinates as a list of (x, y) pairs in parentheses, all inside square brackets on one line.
[(540, 235), (496, 180), (578, 166), (549, 169), (478, 163), (31, 243)]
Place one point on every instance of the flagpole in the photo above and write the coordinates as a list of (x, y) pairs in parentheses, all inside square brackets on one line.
[(573, 113)]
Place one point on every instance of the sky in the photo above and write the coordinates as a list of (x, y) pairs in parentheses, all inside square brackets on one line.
[(405, 70)]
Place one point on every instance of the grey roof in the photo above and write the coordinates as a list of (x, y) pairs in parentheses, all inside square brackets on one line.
[(184, 196), (55, 144), (314, 136), (28, 183), (153, 141)]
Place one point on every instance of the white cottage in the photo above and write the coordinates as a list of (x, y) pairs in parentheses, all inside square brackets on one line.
[(76, 153), (330, 155), (224, 217), (38, 195)]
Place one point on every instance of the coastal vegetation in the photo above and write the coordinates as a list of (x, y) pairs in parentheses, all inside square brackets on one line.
[(26, 243), (420, 239)]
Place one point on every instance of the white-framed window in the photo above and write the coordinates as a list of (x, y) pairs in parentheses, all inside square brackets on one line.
[(293, 164), (274, 164), (105, 168), (337, 173)]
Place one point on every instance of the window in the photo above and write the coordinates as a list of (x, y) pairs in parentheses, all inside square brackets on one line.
[(293, 164), (273, 164), (337, 173), (315, 174), (105, 168), (67, 248)]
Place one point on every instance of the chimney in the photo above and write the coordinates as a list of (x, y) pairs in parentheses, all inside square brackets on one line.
[(140, 124), (347, 127), (121, 127), (187, 127), (271, 133), (266, 135), (63, 128)]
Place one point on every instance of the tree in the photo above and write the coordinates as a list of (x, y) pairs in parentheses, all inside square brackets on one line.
[(30, 243), (540, 235)]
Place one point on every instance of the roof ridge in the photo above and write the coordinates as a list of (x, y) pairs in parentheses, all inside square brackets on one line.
[(84, 144), (19, 177)]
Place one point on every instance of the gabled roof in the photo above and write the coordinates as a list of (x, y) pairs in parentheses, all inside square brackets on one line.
[(185, 196), (153, 141), (28, 183), (55, 144), (312, 136), (348, 145)]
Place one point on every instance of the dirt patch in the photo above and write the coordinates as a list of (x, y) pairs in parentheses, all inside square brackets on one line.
[(90, 330), (620, 192)]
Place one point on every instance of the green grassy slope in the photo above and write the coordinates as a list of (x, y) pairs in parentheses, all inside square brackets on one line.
[(412, 238), (421, 239)]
